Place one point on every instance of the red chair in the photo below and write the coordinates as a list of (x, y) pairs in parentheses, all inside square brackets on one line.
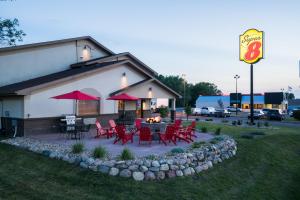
[(122, 135), (112, 125), (168, 136), (138, 125), (178, 123), (185, 133), (193, 126), (102, 131), (145, 135)]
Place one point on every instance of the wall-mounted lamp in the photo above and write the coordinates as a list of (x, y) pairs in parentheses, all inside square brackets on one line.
[(124, 74), (150, 89)]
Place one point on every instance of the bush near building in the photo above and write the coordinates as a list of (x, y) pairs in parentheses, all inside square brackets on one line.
[(163, 111)]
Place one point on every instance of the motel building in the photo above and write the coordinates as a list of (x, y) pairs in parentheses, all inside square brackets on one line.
[(32, 74), (266, 100)]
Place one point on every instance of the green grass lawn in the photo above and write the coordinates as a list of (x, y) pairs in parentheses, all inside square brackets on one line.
[(266, 167)]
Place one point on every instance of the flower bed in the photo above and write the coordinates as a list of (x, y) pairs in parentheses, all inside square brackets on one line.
[(170, 165)]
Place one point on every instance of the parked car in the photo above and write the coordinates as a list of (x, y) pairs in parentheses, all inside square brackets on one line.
[(275, 114), (291, 112), (233, 109), (222, 113), (208, 111), (266, 110), (258, 114), (196, 111)]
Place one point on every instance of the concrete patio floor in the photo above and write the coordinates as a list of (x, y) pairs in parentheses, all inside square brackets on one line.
[(139, 150)]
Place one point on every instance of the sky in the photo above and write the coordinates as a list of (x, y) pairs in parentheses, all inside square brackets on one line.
[(192, 37)]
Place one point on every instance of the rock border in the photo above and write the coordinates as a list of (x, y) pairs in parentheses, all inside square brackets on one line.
[(158, 168)]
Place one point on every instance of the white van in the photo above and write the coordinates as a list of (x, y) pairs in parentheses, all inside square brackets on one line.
[(209, 111)]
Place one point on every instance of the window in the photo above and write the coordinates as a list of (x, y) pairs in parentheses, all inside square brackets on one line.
[(88, 107)]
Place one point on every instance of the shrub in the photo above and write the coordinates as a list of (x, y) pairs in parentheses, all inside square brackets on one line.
[(257, 133), (247, 136), (208, 119), (239, 122), (296, 114), (163, 111), (188, 111), (225, 121), (99, 152), (266, 124), (203, 129), (258, 125), (77, 148), (177, 150), (126, 154), (234, 123), (196, 145), (218, 131)]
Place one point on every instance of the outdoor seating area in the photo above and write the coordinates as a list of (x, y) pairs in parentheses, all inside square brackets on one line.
[(140, 138)]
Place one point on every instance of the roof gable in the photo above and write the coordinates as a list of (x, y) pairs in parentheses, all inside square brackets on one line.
[(40, 44), (116, 57)]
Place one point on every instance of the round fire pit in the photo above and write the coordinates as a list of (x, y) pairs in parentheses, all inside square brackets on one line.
[(156, 128)]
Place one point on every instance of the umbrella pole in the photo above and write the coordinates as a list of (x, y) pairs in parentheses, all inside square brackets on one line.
[(75, 107)]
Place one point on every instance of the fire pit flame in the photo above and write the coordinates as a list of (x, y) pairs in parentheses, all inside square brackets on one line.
[(153, 120)]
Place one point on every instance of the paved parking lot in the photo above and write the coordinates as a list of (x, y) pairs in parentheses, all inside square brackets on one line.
[(241, 116)]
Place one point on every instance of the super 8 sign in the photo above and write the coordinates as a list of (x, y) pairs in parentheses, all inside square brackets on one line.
[(251, 46)]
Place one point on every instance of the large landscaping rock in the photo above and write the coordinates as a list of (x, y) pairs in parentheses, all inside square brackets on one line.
[(103, 169), (125, 173), (179, 173), (113, 171), (143, 168), (133, 167), (149, 175), (138, 176), (160, 175), (171, 174), (164, 167), (187, 171), (155, 163)]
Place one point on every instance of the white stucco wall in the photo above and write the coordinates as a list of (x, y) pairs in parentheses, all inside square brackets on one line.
[(24, 64), (39, 104), (14, 106), (142, 91)]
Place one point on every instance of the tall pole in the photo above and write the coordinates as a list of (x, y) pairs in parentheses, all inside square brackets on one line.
[(183, 77), (251, 95), (236, 94)]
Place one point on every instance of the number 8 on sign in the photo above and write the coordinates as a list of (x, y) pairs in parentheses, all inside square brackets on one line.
[(253, 51)]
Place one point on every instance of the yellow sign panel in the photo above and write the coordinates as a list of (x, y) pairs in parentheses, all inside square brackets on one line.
[(251, 46)]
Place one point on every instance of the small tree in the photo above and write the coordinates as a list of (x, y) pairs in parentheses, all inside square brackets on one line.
[(9, 34), (188, 111), (220, 103)]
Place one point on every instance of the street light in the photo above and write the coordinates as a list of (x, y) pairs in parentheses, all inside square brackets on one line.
[(236, 94), (183, 77)]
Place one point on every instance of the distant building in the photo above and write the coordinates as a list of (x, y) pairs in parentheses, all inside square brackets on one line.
[(266, 100), (294, 104)]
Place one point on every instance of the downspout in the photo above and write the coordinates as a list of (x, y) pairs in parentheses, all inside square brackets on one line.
[(1, 101), (76, 51)]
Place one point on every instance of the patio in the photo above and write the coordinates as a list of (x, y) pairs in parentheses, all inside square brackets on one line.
[(139, 150)]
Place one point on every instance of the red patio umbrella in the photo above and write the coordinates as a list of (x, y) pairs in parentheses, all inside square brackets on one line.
[(76, 95), (123, 97)]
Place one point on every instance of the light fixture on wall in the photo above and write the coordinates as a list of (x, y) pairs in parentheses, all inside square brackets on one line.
[(86, 52), (123, 80), (150, 92)]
